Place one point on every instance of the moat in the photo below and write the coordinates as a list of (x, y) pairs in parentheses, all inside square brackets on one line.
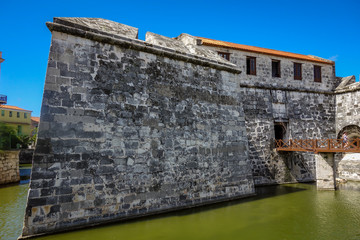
[(292, 211)]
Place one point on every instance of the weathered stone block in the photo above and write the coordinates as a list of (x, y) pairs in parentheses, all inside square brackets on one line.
[(9, 167)]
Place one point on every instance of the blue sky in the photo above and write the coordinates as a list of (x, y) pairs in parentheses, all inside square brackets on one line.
[(329, 29)]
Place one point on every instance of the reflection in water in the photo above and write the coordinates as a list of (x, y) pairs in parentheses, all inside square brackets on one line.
[(25, 172), (12, 210), (296, 211)]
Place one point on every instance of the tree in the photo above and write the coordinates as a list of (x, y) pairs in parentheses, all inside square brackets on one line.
[(25, 141), (8, 137)]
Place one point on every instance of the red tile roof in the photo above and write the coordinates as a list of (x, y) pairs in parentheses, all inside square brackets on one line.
[(217, 43), (35, 119), (13, 108)]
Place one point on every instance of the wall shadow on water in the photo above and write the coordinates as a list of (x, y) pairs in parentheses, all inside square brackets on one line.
[(262, 192)]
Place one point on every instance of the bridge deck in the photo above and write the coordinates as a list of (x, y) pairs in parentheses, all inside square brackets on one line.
[(318, 145)]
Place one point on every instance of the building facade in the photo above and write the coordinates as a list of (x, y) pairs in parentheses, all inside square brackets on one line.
[(18, 118), (34, 124), (285, 95)]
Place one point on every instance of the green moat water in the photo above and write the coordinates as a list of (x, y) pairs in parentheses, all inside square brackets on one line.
[(294, 211)]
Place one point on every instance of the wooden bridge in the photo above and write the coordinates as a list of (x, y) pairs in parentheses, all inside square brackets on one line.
[(318, 145)]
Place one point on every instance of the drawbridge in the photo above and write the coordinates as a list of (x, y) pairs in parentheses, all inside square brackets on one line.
[(324, 150), (318, 145)]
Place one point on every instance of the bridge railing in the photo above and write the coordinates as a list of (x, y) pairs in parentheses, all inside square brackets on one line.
[(318, 145)]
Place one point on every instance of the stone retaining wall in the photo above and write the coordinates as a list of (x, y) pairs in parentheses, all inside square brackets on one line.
[(9, 167)]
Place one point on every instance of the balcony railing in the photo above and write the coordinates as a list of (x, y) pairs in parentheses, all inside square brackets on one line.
[(3, 99), (318, 145)]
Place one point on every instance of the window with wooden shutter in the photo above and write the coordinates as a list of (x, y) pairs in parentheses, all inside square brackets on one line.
[(251, 65), (317, 73), (297, 71), (275, 68), (224, 55)]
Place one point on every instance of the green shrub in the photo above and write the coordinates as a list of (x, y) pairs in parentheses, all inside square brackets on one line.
[(9, 139)]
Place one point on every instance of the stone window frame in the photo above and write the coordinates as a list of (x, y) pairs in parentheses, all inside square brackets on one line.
[(3, 113), (297, 69), (10, 113), (18, 115), (317, 73), (25, 115), (249, 64), (275, 68), (224, 55)]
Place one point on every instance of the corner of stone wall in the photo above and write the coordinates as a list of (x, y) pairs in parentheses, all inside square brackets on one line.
[(129, 129)]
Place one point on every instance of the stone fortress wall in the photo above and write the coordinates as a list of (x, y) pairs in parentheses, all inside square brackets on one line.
[(306, 109), (130, 128)]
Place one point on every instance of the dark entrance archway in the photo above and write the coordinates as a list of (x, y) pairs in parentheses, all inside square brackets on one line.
[(280, 130)]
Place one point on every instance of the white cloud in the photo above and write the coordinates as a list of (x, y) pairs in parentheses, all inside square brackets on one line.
[(334, 58)]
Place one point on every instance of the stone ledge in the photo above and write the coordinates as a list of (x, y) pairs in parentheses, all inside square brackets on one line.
[(354, 88), (99, 25), (285, 89)]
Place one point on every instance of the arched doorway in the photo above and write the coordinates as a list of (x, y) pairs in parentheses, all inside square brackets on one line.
[(353, 132), (348, 165)]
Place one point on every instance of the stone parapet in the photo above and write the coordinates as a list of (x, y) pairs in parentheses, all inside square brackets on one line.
[(127, 42)]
